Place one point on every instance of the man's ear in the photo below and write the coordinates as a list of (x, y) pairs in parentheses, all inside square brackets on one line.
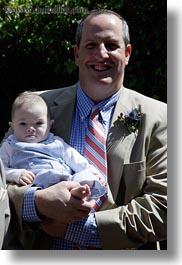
[(128, 53), (75, 49)]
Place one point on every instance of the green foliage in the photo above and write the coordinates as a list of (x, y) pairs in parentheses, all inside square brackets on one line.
[(37, 38)]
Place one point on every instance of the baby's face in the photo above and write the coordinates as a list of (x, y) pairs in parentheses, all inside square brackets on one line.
[(30, 123)]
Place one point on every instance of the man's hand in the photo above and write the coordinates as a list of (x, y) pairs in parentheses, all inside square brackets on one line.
[(56, 202)]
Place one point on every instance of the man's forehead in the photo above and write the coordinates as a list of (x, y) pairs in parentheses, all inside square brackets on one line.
[(93, 18), (103, 27)]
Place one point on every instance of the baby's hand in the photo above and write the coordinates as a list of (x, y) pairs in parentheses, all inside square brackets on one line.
[(26, 177)]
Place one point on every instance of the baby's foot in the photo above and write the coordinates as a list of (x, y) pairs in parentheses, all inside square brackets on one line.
[(82, 192)]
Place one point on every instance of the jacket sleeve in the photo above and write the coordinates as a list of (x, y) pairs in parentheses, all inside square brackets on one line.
[(4, 206)]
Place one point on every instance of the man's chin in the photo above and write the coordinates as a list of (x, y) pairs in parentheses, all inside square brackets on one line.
[(105, 81)]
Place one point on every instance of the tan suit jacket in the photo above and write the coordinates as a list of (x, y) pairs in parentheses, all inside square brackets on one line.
[(4, 206), (135, 213)]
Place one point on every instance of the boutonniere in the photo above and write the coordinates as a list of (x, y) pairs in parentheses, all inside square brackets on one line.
[(132, 119)]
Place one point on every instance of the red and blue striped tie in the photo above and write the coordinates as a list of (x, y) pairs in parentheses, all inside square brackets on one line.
[(95, 148)]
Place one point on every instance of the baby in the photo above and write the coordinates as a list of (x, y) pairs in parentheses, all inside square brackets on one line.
[(32, 154)]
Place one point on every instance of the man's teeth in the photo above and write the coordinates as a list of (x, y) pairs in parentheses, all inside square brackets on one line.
[(100, 68)]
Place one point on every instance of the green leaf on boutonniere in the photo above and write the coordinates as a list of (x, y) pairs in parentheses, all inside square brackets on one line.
[(132, 119)]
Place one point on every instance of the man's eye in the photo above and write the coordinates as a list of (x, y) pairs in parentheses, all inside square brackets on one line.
[(111, 46), (90, 45), (22, 123)]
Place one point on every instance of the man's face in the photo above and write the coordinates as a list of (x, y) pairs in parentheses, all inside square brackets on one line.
[(102, 56)]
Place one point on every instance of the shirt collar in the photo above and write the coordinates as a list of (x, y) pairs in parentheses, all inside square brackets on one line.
[(86, 105)]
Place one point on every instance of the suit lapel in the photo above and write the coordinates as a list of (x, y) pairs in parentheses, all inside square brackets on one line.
[(62, 110), (119, 143)]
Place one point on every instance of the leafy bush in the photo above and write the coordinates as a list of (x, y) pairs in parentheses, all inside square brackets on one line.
[(37, 37)]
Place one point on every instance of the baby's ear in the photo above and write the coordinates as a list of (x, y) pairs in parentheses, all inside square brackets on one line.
[(10, 124), (51, 123)]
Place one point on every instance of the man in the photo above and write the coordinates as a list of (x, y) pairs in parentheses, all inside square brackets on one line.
[(4, 206), (134, 215)]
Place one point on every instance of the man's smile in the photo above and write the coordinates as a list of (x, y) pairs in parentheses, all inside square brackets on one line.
[(100, 68)]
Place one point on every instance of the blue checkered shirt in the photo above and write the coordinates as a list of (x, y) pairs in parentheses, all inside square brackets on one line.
[(82, 234)]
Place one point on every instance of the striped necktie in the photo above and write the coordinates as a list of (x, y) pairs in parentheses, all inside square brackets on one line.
[(95, 148)]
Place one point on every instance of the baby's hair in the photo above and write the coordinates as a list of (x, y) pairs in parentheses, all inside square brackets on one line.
[(28, 98)]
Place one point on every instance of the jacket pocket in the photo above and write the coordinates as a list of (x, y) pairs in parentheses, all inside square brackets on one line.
[(132, 182)]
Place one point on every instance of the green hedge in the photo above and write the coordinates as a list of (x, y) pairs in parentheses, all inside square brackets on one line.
[(37, 37)]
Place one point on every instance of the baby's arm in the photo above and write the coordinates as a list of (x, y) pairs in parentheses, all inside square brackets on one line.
[(19, 176), (101, 179)]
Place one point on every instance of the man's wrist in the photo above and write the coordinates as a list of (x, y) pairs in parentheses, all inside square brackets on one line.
[(29, 212), (38, 204)]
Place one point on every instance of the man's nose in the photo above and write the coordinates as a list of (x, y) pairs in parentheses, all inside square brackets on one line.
[(102, 51)]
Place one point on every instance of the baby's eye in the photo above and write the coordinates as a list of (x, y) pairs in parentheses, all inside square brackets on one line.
[(39, 123), (22, 124)]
